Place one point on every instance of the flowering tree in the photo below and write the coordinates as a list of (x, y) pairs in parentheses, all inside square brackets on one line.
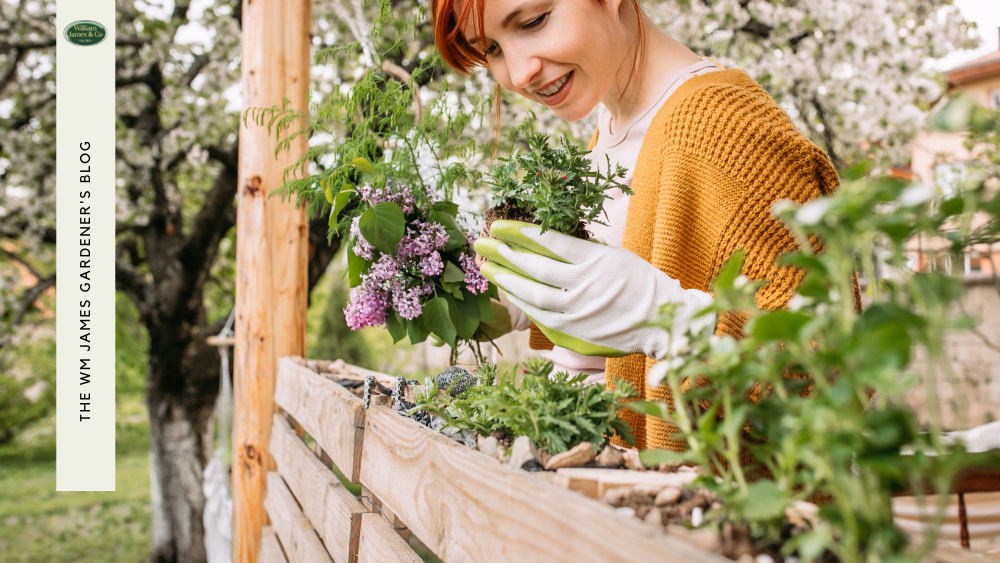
[(850, 73)]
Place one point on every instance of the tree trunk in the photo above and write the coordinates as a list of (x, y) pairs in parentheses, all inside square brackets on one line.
[(182, 386)]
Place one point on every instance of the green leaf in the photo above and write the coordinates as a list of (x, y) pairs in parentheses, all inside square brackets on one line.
[(650, 408), (325, 184), (730, 271), (655, 458), (363, 165), (437, 319), (765, 501), (485, 308), (446, 207), (415, 328), (341, 200), (383, 226), (396, 326), (356, 265), (779, 325), (452, 273), (464, 314)]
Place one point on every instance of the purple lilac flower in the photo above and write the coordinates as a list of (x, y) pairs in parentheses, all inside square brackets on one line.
[(431, 265), (367, 308), (362, 248), (393, 191), (407, 302), (474, 280)]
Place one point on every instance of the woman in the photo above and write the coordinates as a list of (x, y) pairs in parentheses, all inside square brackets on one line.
[(708, 151)]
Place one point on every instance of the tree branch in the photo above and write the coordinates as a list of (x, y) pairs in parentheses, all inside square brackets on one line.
[(23, 262), (30, 296)]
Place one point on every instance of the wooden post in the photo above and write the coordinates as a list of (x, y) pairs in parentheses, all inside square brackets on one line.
[(271, 260)]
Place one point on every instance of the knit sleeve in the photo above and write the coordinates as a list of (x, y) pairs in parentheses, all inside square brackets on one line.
[(759, 157)]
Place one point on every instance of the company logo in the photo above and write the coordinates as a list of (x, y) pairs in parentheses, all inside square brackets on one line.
[(85, 33)]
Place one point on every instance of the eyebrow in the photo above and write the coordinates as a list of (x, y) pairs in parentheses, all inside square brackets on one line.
[(503, 23)]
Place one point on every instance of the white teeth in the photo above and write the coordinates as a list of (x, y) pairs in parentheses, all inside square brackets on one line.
[(555, 87)]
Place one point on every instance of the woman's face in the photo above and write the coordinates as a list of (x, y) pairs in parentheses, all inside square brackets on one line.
[(564, 54)]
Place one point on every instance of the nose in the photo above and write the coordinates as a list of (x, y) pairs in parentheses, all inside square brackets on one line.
[(523, 67)]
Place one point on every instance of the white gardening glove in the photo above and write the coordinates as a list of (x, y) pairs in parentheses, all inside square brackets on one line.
[(585, 296)]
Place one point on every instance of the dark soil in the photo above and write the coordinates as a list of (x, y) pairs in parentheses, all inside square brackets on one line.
[(504, 439), (509, 211)]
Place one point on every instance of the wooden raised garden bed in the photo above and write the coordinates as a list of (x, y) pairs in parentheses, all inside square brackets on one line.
[(463, 504)]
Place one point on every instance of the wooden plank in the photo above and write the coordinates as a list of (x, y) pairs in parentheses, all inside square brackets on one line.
[(270, 549), (327, 504), (332, 415), (594, 482), (299, 540), (271, 255), (467, 507), (379, 543)]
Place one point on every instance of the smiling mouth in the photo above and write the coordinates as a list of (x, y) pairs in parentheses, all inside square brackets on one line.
[(556, 87)]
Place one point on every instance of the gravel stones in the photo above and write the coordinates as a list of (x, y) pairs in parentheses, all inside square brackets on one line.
[(610, 456), (488, 445), (522, 452), (669, 495), (581, 454)]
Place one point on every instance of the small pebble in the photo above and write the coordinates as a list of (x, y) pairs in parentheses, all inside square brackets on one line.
[(632, 460), (611, 457), (615, 496), (522, 451), (654, 517), (669, 495), (488, 446), (697, 517), (764, 558), (625, 511)]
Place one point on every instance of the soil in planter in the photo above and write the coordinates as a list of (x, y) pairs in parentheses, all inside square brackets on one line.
[(504, 439), (509, 211)]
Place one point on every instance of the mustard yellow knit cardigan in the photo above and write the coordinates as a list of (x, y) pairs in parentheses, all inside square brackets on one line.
[(718, 154)]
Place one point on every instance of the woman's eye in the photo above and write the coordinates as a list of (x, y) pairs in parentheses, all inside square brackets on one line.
[(492, 49), (536, 22)]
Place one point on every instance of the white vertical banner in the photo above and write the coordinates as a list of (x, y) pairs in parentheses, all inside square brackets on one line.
[(85, 260)]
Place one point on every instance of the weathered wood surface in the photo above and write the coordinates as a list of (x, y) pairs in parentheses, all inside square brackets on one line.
[(594, 482), (379, 543), (270, 550), (468, 508), (327, 504), (297, 536), (271, 257), (332, 415)]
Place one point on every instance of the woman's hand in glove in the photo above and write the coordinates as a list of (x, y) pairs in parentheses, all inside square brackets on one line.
[(587, 296)]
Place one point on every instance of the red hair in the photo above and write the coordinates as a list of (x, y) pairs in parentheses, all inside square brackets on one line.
[(461, 56)]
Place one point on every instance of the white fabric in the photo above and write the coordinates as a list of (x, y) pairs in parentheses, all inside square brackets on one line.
[(218, 515), (600, 295), (518, 320), (620, 144)]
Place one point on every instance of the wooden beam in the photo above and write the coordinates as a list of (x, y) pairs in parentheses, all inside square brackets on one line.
[(299, 540), (467, 507), (332, 415), (327, 504), (270, 549), (271, 275), (379, 543)]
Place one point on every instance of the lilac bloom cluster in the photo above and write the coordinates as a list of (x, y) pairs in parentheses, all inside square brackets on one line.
[(401, 194), (400, 282)]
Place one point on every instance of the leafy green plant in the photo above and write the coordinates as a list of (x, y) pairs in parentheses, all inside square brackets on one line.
[(555, 185), (823, 435), (556, 411)]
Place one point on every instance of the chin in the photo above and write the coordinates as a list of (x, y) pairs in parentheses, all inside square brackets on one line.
[(573, 113)]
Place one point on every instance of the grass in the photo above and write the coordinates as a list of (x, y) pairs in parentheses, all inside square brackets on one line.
[(40, 525)]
